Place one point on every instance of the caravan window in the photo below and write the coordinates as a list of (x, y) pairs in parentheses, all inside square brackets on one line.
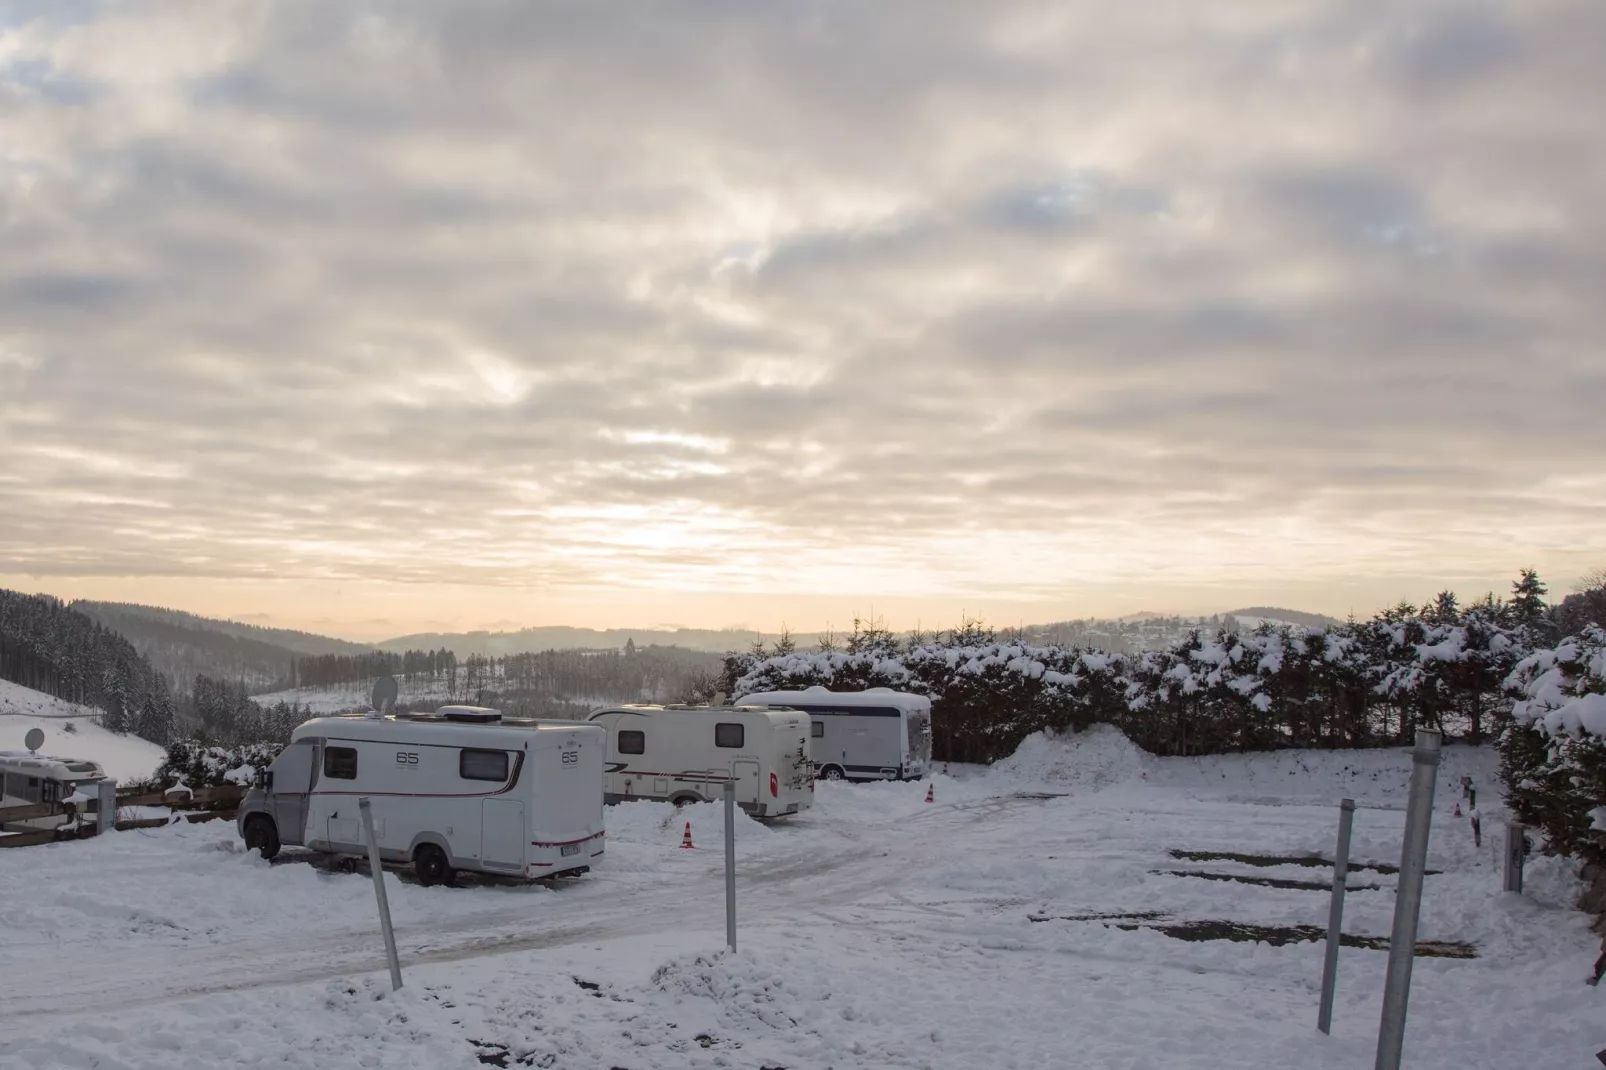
[(819, 729), (482, 765), (340, 763), (632, 742), (729, 735)]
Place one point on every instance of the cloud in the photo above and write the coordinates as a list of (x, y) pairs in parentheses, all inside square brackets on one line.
[(945, 300)]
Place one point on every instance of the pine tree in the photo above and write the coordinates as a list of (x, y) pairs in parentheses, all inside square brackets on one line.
[(1528, 598), (155, 721), (1444, 609)]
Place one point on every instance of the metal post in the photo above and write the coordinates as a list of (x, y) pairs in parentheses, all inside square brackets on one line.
[(379, 892), (106, 807), (1335, 914), (1408, 900), (730, 863), (1516, 852)]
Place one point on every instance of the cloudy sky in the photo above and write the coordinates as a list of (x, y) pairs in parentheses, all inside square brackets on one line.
[(378, 317)]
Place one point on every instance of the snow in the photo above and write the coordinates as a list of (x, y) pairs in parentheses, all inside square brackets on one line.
[(874, 696), (1097, 758), (1584, 714), (876, 931), (123, 757)]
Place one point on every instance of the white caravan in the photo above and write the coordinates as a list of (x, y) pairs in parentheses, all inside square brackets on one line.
[(460, 789), (27, 778), (687, 753), (878, 734)]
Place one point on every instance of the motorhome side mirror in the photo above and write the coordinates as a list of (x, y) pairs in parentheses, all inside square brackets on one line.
[(267, 780)]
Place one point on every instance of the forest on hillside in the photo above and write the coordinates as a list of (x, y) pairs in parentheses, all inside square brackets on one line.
[(181, 645), (47, 646)]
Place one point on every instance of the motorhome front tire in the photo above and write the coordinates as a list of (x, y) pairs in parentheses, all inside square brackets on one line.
[(430, 863), (262, 836), (833, 772)]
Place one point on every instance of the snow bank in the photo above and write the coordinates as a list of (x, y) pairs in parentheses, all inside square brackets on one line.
[(1102, 758), (1092, 760), (1378, 777)]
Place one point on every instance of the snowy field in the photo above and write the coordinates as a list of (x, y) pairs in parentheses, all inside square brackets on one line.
[(876, 931), (123, 757), (344, 698), (347, 698)]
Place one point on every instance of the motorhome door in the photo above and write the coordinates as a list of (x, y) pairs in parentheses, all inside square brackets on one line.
[(502, 833), (292, 779), (747, 782)]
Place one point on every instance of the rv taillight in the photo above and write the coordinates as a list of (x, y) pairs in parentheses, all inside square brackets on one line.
[(775, 787)]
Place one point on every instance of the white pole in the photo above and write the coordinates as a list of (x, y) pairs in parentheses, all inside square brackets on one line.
[(1335, 915), (730, 863), (379, 892), (1516, 852), (106, 807), (1408, 900)]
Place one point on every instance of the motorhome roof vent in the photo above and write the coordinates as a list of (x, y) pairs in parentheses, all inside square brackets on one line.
[(470, 714)]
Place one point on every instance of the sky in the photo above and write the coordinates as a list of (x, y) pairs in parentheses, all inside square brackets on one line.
[(374, 318)]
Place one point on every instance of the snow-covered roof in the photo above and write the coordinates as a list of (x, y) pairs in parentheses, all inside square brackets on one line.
[(426, 726), (43, 764), (819, 696)]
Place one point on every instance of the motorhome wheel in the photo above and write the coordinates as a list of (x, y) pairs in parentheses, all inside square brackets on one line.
[(261, 835)]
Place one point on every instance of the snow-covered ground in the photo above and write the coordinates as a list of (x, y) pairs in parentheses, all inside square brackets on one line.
[(344, 698), (876, 931), (123, 757)]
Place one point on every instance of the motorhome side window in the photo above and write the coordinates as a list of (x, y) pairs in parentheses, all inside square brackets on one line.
[(819, 729), (340, 763), (482, 765), (631, 742), (729, 735)]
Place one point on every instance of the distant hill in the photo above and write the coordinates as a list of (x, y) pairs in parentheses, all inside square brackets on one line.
[(498, 644), (181, 645), (1286, 616)]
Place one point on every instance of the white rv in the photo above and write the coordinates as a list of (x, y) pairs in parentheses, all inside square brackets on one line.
[(27, 778), (879, 734), (687, 753), (460, 789)]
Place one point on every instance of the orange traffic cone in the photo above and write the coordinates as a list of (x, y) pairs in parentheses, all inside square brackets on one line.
[(1457, 809), (944, 768), (685, 841), (931, 793)]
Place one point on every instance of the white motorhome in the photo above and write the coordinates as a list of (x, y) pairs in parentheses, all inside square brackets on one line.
[(460, 789), (879, 734), (27, 778), (687, 753)]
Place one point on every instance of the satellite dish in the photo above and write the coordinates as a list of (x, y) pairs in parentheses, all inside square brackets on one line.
[(34, 739), (385, 692)]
